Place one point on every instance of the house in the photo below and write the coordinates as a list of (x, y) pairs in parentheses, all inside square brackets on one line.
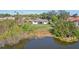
[(22, 20), (74, 19), (9, 18), (39, 21)]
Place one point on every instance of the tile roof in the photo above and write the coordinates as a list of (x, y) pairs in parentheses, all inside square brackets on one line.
[(74, 19)]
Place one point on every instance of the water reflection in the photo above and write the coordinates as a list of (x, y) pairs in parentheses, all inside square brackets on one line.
[(50, 43)]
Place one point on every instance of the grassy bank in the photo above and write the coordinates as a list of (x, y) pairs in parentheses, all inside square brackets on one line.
[(39, 30), (32, 27), (66, 39)]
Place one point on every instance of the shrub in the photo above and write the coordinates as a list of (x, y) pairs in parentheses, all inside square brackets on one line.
[(63, 28)]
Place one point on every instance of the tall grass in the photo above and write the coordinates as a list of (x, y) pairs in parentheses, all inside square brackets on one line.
[(11, 28)]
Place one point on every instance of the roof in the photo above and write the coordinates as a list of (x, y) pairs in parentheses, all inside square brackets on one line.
[(74, 19), (40, 20)]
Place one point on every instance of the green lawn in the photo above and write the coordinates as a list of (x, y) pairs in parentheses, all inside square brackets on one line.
[(41, 26), (33, 27)]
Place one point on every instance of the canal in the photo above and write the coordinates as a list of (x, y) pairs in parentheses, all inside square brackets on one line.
[(43, 43)]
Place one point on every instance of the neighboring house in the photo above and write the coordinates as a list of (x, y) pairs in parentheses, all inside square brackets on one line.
[(22, 20), (5, 18), (74, 19), (12, 18), (39, 21)]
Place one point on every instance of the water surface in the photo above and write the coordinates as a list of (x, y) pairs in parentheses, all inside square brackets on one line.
[(49, 43), (44, 43)]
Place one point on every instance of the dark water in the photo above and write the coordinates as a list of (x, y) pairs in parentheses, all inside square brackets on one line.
[(44, 43), (50, 43)]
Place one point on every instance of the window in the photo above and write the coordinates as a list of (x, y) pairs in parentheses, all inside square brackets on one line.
[(39, 22)]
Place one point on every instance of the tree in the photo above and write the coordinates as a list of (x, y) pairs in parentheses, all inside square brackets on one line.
[(74, 15), (63, 14), (5, 15), (53, 12), (53, 20), (17, 16), (50, 13), (61, 28), (43, 15)]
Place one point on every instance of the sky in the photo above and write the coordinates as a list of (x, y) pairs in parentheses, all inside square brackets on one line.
[(22, 11), (33, 11)]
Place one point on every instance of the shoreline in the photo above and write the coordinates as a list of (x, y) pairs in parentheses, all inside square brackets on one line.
[(24, 35), (28, 36)]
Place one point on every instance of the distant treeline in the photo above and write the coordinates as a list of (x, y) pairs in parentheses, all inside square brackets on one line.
[(45, 15), (5, 15)]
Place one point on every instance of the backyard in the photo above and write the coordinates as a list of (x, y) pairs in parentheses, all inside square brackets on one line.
[(48, 26), (39, 30)]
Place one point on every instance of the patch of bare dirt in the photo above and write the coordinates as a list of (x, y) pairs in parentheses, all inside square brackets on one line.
[(42, 33)]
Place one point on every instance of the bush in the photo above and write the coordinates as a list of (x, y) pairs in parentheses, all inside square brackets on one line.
[(11, 28), (26, 27), (63, 28), (76, 33)]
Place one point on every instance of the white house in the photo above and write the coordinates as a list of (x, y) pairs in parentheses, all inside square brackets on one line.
[(40, 21)]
